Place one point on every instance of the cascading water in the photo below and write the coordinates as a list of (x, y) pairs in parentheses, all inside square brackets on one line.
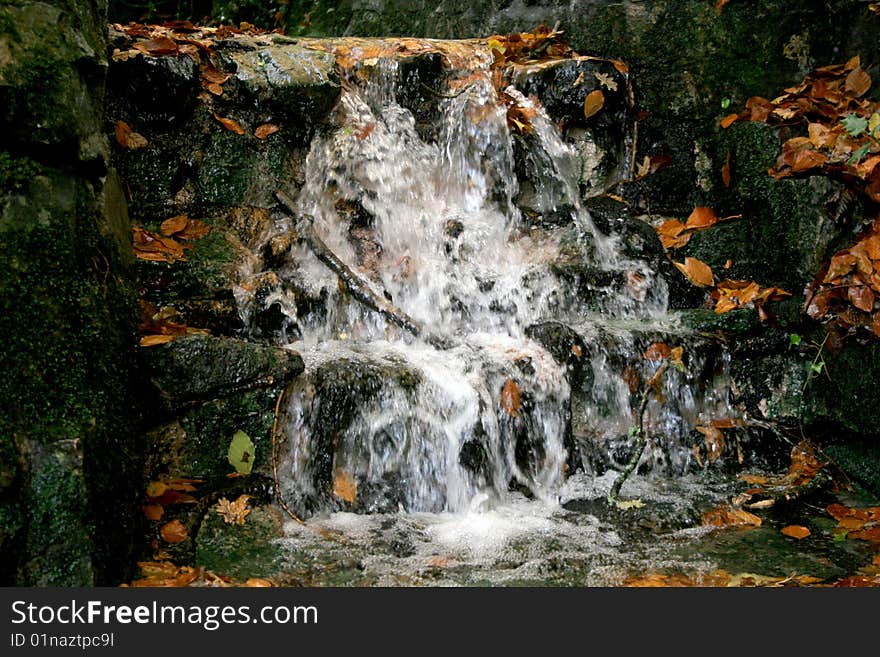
[(433, 223)]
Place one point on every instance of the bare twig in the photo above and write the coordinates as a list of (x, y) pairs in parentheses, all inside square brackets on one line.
[(641, 437), (356, 285)]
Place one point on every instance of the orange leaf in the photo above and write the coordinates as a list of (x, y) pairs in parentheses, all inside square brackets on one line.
[(875, 326), (730, 516), (696, 271), (265, 130), (807, 159), (153, 511), (858, 82), (701, 217), (576, 350), (725, 171), (511, 397), (344, 486), (872, 247), (670, 228), (729, 120), (657, 351), (229, 124), (726, 423), (123, 130), (153, 340), (796, 531), (719, 5), (258, 582), (593, 103), (173, 532), (173, 225)]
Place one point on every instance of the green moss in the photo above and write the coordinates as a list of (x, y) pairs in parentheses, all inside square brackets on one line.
[(210, 427), (7, 24), (739, 321), (16, 172), (241, 551), (224, 176), (59, 523)]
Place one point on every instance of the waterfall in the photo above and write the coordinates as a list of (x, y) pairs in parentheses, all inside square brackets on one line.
[(434, 220)]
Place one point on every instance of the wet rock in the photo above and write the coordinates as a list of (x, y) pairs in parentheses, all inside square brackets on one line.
[(160, 91), (293, 82), (568, 348), (197, 367), (241, 550), (605, 141)]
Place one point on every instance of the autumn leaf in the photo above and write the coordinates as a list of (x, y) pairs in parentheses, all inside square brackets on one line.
[(344, 486), (730, 516), (233, 513), (696, 271), (159, 46), (593, 103), (701, 217), (229, 124), (657, 351), (796, 531), (857, 82), (577, 351), (263, 131), (195, 229), (173, 225), (153, 511), (729, 120), (719, 5), (173, 532), (155, 340), (127, 138), (714, 440), (511, 398), (759, 108), (725, 171), (258, 582), (861, 297)]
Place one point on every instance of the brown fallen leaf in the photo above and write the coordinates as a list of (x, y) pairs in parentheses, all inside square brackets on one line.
[(576, 350), (701, 217), (511, 397), (153, 511), (730, 516), (233, 513), (857, 82), (258, 582), (159, 46), (154, 340), (594, 102), (229, 124), (714, 439), (127, 138), (344, 486), (263, 131), (173, 225), (657, 351), (696, 271), (173, 532)]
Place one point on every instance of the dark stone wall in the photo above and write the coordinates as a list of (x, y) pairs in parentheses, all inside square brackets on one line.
[(70, 456)]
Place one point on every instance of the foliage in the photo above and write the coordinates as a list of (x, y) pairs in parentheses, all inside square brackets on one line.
[(842, 141)]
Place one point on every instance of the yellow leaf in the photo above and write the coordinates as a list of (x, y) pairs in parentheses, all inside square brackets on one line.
[(593, 103), (153, 340)]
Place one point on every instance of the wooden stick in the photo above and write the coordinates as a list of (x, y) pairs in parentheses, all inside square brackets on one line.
[(357, 286)]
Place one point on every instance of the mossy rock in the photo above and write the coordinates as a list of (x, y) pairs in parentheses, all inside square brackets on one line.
[(196, 443), (241, 550), (198, 367)]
